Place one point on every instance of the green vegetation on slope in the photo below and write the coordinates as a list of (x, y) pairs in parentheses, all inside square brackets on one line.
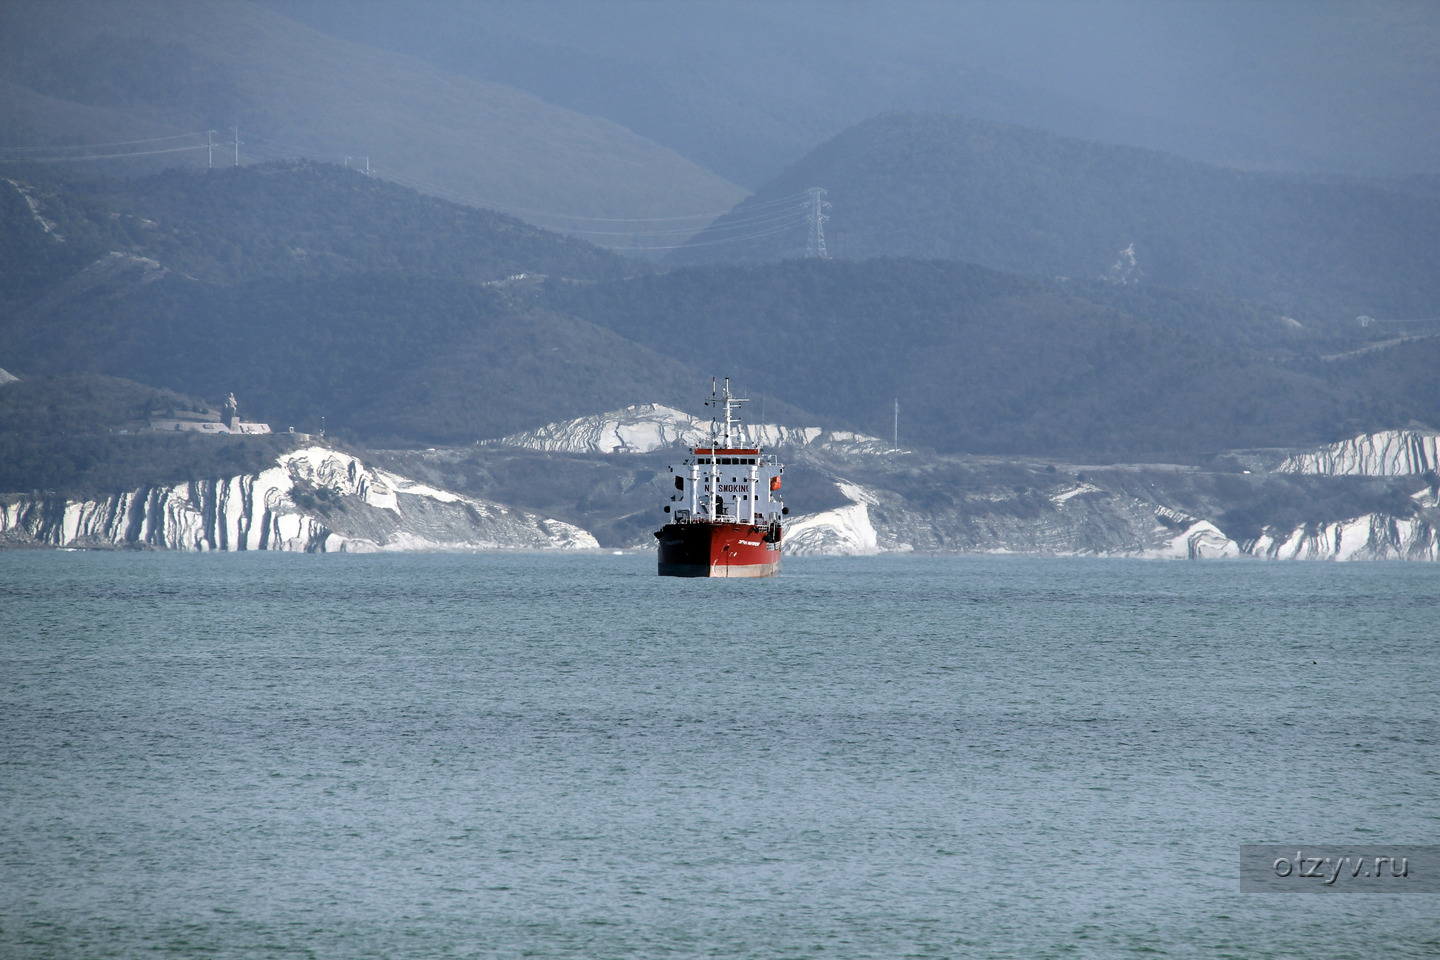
[(284, 220), (985, 362), (60, 235), (308, 219), (313, 291), (63, 435), (380, 357)]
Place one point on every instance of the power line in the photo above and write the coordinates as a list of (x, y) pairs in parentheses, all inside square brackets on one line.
[(749, 221), (432, 187), (775, 223), (712, 243), (107, 156), (289, 151), (100, 146), (792, 219)]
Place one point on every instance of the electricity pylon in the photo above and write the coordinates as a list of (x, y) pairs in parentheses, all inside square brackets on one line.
[(815, 246)]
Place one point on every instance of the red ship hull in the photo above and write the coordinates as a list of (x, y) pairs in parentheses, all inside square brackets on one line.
[(702, 549)]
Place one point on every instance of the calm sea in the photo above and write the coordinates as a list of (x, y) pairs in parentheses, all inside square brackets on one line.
[(568, 757)]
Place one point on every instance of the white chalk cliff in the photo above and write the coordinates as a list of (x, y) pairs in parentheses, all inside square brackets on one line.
[(647, 427), (1373, 536), (1196, 540), (314, 499), (1389, 453), (927, 504), (1085, 520), (845, 531)]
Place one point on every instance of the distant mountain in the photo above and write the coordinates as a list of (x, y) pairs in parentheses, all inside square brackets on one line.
[(746, 87), (287, 219), (113, 72), (311, 291), (731, 86), (926, 185), (987, 362)]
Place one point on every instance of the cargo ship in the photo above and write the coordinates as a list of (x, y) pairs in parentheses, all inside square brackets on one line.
[(726, 510)]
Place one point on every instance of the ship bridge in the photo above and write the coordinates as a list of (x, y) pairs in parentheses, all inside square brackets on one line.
[(728, 480)]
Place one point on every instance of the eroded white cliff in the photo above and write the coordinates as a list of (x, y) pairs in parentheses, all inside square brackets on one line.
[(845, 531), (1389, 453), (1196, 540), (314, 499), (1373, 536), (1086, 520), (647, 427)]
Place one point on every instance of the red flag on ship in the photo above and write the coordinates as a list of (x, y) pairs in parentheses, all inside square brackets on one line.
[(775, 482)]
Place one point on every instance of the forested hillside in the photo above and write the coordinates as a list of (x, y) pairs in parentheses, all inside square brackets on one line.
[(288, 219), (986, 362), (64, 436), (380, 357), (310, 291), (933, 186)]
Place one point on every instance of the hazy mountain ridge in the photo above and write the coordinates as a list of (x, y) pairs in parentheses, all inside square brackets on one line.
[(285, 220), (729, 86), (223, 63), (1024, 201), (745, 88)]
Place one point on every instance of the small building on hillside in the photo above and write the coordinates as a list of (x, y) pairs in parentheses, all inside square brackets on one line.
[(228, 423), (232, 421)]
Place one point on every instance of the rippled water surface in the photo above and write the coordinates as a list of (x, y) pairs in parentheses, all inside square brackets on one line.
[(566, 756)]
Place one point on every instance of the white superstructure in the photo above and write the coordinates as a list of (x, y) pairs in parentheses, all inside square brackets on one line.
[(731, 479)]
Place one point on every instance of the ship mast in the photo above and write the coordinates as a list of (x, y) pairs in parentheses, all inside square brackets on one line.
[(714, 461), (729, 417), (720, 438)]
